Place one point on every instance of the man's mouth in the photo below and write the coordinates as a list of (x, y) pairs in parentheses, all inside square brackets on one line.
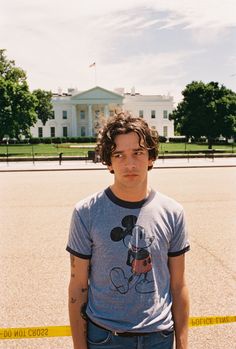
[(131, 175)]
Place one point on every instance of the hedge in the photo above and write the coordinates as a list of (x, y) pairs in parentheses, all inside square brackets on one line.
[(162, 139)]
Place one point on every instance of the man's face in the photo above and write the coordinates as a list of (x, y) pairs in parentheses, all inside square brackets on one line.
[(129, 161)]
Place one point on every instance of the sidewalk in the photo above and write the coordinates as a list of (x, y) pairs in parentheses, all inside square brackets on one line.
[(89, 165)]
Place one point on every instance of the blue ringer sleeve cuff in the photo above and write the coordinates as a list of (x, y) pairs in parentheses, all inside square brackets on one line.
[(80, 255), (178, 253)]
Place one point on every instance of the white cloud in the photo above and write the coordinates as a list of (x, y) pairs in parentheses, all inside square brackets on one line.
[(151, 23), (208, 13), (55, 41), (166, 68)]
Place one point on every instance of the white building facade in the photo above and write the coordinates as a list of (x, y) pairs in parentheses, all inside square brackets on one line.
[(77, 114)]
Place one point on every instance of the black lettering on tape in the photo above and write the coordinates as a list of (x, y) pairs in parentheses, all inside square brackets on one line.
[(37, 332), (7, 334)]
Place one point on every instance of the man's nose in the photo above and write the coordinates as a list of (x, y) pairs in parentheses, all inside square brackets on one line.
[(130, 162)]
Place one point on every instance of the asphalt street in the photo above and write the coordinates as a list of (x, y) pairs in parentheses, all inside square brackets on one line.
[(35, 211)]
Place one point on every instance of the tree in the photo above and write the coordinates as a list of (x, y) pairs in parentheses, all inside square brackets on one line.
[(99, 122), (17, 103), (44, 107), (206, 110)]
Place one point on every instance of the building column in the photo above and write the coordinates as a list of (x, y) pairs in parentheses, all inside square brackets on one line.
[(106, 111), (90, 121), (74, 131)]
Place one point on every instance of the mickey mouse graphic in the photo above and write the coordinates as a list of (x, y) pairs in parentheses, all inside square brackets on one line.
[(139, 258)]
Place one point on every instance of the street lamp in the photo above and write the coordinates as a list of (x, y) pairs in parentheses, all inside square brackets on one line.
[(6, 138), (32, 144)]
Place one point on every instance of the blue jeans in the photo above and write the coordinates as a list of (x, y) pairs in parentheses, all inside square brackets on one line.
[(99, 338)]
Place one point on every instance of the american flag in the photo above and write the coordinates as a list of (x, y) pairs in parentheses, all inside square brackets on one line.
[(92, 65)]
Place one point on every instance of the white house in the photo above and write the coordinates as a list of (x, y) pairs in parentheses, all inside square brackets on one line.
[(76, 113)]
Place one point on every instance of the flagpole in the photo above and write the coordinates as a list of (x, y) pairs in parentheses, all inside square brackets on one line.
[(93, 65), (95, 70)]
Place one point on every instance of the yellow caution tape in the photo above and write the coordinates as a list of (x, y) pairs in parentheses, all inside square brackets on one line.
[(65, 331), (210, 320), (35, 332)]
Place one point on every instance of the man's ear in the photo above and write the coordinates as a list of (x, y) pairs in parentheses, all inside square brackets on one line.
[(150, 162), (110, 168)]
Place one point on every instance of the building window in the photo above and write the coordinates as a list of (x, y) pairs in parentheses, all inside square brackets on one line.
[(82, 114), (141, 113), (64, 114), (64, 131), (153, 114), (40, 132), (52, 131), (165, 131), (165, 114), (53, 114), (83, 131)]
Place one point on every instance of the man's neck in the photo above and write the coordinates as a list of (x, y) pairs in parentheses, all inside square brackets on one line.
[(130, 195)]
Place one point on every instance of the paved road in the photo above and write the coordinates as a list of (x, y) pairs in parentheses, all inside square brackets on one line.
[(34, 218)]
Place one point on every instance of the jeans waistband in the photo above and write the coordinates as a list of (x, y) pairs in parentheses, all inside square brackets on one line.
[(127, 334)]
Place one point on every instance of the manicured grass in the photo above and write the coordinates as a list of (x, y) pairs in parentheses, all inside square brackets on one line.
[(44, 150), (185, 147), (82, 150)]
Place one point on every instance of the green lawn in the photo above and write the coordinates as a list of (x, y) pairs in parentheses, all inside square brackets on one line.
[(166, 147), (44, 150), (82, 150)]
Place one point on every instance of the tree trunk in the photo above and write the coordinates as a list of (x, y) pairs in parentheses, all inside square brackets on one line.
[(210, 142)]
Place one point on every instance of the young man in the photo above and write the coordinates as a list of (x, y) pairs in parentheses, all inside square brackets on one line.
[(127, 244)]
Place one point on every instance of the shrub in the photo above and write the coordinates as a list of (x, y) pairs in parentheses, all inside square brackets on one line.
[(35, 140), (13, 141), (72, 139), (162, 139), (23, 141), (56, 140), (220, 141), (47, 140), (86, 139)]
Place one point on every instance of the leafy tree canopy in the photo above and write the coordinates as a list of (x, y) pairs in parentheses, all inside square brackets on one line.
[(206, 110), (43, 108), (9, 71), (19, 108)]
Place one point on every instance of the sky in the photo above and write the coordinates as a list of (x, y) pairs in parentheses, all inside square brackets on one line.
[(154, 46)]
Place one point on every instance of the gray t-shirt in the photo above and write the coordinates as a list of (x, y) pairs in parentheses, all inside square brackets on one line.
[(128, 244)]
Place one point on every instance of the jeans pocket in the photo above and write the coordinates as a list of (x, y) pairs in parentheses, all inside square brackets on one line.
[(166, 333), (97, 335)]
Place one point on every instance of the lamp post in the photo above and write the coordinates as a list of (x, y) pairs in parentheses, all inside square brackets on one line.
[(32, 145), (6, 138)]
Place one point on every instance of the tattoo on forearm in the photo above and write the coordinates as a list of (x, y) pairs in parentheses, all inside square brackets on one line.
[(84, 290), (72, 261), (72, 275), (83, 311), (73, 300)]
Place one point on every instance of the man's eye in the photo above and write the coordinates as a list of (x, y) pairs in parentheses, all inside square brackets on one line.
[(117, 156), (140, 152)]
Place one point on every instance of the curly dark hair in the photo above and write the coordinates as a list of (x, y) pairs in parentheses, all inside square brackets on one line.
[(124, 123)]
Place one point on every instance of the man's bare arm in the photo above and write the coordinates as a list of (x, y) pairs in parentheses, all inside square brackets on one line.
[(78, 295), (180, 307)]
